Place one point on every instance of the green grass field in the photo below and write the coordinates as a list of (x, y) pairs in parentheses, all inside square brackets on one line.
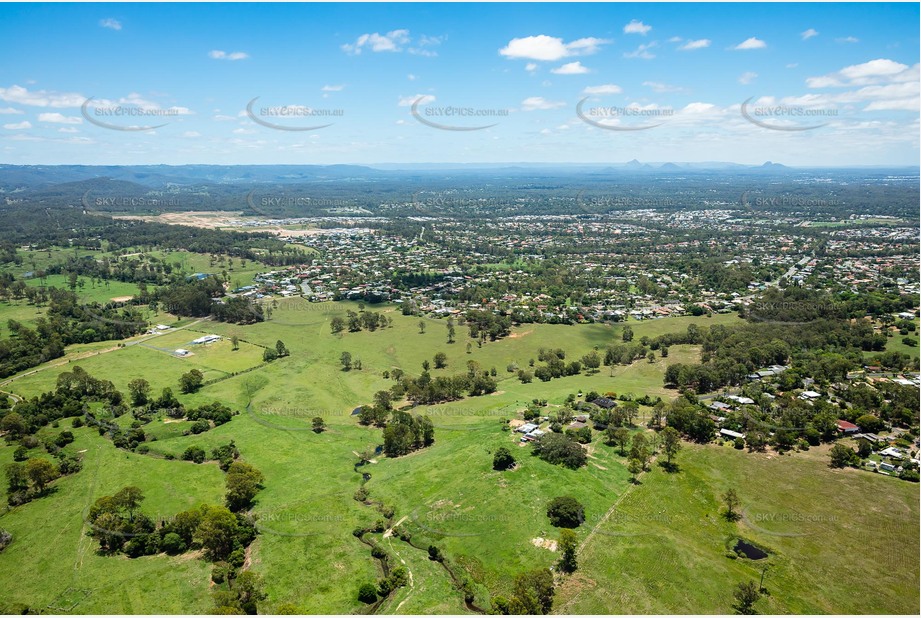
[(663, 550)]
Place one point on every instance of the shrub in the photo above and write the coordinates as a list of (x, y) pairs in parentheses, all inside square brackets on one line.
[(565, 512), (367, 593), (173, 544), (194, 453)]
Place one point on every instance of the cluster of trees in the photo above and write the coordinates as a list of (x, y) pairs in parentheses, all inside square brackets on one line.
[(560, 449), (195, 298), (532, 594), (279, 351), (224, 455), (66, 322), (356, 322), (30, 479), (75, 389), (825, 350), (486, 324), (406, 433), (119, 526)]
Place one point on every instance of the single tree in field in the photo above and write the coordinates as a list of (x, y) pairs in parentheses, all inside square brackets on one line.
[(619, 436), (441, 360), (140, 390), (319, 425), (634, 467), (731, 498), (190, 382), (503, 459), (450, 330), (280, 348), (426, 365), (421, 327), (671, 444), (337, 325), (567, 547), (346, 360), (627, 334), (235, 343), (746, 595), (639, 449), (41, 472)]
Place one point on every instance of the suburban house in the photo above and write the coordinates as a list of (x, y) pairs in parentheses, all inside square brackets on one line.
[(847, 428), (604, 402), (731, 434)]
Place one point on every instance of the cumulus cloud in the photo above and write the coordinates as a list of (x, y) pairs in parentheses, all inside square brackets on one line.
[(410, 100), (695, 44), (637, 27), (751, 43), (603, 89), (548, 48), (540, 103), (16, 126), (218, 54), (808, 34), (642, 52), (57, 118), (848, 39), (41, 98), (10, 110), (333, 88), (392, 41), (747, 77), (110, 23), (571, 68), (660, 87)]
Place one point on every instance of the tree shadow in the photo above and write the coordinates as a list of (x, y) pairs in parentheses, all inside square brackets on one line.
[(670, 467)]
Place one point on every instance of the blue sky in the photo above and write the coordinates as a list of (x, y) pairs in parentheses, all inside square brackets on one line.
[(823, 84)]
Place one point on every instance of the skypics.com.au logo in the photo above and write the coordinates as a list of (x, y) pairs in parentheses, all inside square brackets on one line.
[(268, 116)]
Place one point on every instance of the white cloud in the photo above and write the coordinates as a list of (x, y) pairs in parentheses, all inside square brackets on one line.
[(191, 134), (411, 77), (530, 67), (751, 43), (808, 34), (540, 103), (244, 131), (872, 72), (68, 130), (41, 98), (223, 117), (696, 44), (747, 77), (603, 89), (675, 39), (376, 42), (548, 48), (660, 87), (642, 52), (571, 68), (111, 23), (637, 27), (336, 88), (848, 39), (218, 54), (10, 110), (408, 101), (792, 65), (57, 118), (15, 126), (698, 108)]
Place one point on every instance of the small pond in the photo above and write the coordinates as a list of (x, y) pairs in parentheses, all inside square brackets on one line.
[(750, 551)]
